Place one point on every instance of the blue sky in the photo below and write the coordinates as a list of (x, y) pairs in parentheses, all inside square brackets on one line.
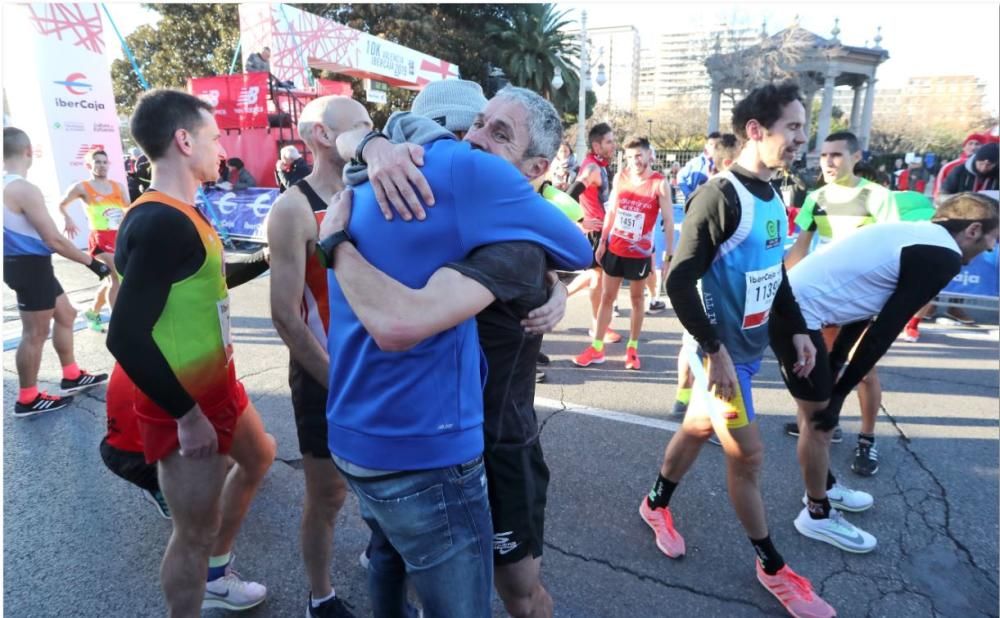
[(954, 38)]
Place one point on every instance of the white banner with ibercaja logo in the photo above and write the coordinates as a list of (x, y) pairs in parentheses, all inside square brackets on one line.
[(57, 81)]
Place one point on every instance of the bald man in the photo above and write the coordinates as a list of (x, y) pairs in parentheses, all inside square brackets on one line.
[(300, 311)]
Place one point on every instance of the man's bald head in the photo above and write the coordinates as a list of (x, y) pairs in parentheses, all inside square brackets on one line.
[(324, 118)]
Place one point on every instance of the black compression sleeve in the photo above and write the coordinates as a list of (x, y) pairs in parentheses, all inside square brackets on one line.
[(924, 270), (157, 247), (709, 214), (787, 307), (842, 346), (576, 190)]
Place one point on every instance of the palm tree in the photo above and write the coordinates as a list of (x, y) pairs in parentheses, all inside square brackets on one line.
[(532, 46)]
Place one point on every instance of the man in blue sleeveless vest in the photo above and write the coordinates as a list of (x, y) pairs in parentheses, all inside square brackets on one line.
[(727, 273)]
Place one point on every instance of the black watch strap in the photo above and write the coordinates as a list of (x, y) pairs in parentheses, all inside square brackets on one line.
[(711, 346), (327, 245), (359, 151)]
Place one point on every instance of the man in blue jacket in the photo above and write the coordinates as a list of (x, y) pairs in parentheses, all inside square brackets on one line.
[(699, 169), (406, 405)]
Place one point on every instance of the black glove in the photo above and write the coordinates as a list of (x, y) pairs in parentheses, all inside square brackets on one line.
[(99, 268), (829, 417)]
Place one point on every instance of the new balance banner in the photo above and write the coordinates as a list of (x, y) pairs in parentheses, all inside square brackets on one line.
[(240, 101)]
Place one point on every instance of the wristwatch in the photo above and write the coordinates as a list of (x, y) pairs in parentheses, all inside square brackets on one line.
[(359, 151), (325, 247)]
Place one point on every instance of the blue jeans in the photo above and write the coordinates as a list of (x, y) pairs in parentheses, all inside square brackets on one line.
[(433, 526)]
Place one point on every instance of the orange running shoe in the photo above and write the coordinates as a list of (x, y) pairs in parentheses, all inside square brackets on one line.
[(661, 521), (632, 359), (911, 334), (795, 593), (589, 357)]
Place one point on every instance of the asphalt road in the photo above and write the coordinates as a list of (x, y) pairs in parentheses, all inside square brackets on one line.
[(78, 541)]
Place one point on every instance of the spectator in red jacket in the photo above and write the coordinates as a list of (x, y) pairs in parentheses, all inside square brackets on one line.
[(969, 146), (915, 176)]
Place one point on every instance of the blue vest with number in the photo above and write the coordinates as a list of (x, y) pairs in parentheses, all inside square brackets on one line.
[(741, 284)]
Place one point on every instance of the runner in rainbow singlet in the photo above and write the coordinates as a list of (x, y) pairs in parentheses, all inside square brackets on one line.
[(170, 333), (726, 276), (105, 203), (300, 310)]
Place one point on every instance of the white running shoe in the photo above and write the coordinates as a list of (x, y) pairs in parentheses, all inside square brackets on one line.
[(232, 593), (847, 499), (836, 531)]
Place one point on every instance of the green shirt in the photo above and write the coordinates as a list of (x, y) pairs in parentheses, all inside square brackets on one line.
[(834, 211)]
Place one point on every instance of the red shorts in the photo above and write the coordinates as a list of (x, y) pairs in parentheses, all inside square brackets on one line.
[(102, 241), (223, 408)]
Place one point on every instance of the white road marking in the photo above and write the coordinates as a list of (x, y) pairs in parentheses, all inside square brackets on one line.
[(611, 415)]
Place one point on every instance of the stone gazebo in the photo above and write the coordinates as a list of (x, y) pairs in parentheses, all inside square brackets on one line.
[(818, 64)]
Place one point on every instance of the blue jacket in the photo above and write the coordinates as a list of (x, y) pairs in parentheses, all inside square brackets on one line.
[(423, 408), (694, 174)]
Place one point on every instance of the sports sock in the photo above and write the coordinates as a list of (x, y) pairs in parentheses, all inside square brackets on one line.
[(317, 602), (27, 395), (71, 371), (217, 565), (684, 395), (598, 345), (770, 560), (866, 437), (659, 496), (831, 480), (633, 343), (818, 508)]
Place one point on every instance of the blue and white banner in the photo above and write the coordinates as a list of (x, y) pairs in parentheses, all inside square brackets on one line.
[(57, 83), (241, 214), (978, 278)]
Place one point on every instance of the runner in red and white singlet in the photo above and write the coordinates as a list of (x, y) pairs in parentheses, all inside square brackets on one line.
[(626, 246)]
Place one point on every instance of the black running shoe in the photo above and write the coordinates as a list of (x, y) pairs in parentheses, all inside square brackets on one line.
[(865, 459), (680, 409), (331, 608), (655, 306), (83, 382), (543, 359), (792, 429), (156, 499), (44, 402)]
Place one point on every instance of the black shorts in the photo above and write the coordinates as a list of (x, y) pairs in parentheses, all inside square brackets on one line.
[(595, 239), (817, 386), (309, 405), (33, 281), (518, 481), (633, 269), (130, 466)]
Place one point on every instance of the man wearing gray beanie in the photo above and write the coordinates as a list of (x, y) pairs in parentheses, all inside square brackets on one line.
[(525, 130), (452, 103)]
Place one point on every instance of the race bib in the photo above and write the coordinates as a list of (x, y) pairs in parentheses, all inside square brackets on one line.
[(227, 338), (762, 286), (628, 224), (114, 217)]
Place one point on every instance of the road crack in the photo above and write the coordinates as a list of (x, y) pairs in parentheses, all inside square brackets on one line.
[(942, 497), (654, 580)]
